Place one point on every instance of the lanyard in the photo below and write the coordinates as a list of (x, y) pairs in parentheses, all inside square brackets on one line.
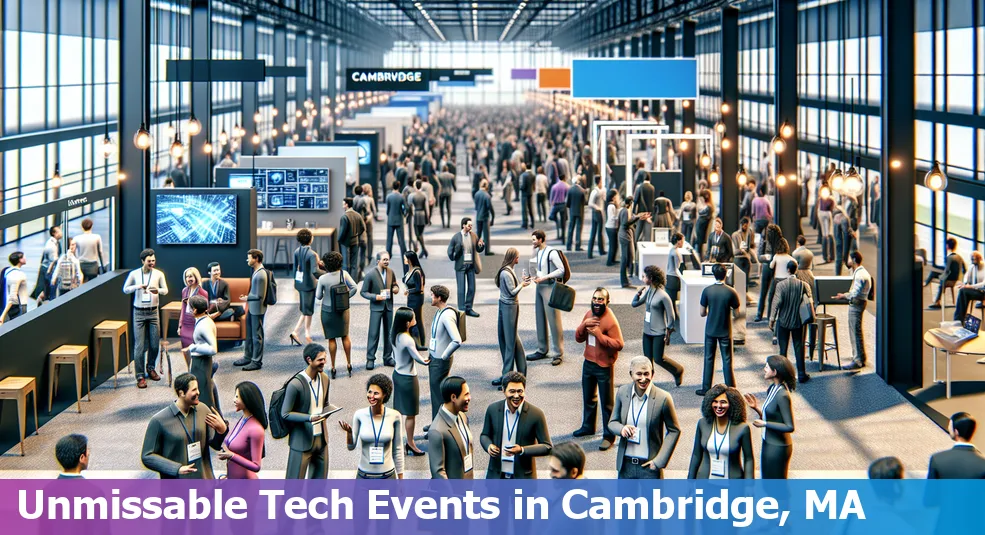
[(464, 430), (436, 323), (239, 427), (311, 385), (199, 320), (510, 429), (714, 438), (769, 396), (636, 418), (191, 436), (149, 276), (213, 293), (372, 422)]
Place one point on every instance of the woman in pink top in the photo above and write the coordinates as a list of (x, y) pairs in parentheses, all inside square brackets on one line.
[(186, 319), (243, 448)]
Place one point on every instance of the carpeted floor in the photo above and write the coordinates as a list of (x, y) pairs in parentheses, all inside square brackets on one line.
[(843, 420)]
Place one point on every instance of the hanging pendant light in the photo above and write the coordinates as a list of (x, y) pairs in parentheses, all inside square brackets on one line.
[(684, 145), (935, 179), (273, 133), (781, 180), (142, 139), (705, 160), (299, 113), (274, 112), (725, 108), (304, 123), (223, 138), (177, 150), (108, 147), (257, 117), (726, 143), (170, 130), (207, 147), (286, 128), (720, 127), (713, 176), (786, 130), (256, 138), (194, 126), (741, 178), (853, 184), (837, 180), (56, 178), (825, 192), (778, 145), (314, 112)]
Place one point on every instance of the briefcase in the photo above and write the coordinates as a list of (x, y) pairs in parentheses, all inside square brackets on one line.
[(562, 297)]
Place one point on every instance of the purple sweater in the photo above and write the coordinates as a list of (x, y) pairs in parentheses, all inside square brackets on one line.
[(559, 193), (245, 441), (761, 209)]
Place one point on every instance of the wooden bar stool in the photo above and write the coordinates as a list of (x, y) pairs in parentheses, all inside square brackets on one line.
[(824, 321), (112, 330), (74, 356), (17, 388)]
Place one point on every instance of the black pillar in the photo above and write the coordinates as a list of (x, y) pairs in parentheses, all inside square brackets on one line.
[(200, 164), (899, 318), (645, 53), (134, 110), (315, 75), (332, 89), (280, 85), (301, 85), (250, 103), (787, 198), (730, 93), (634, 51), (689, 157), (623, 53), (670, 51), (656, 39)]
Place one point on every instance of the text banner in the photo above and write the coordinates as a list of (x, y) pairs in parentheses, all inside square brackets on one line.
[(634, 78)]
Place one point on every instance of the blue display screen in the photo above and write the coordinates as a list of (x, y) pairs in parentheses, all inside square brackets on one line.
[(365, 157), (205, 219), (285, 189)]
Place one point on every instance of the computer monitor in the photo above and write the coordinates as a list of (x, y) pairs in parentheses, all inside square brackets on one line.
[(661, 235)]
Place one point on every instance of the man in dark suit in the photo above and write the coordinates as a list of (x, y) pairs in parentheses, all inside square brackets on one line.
[(514, 433), (351, 228), (575, 201), (643, 201), (218, 291), (963, 461), (719, 244), (641, 413), (306, 406), (485, 215), (446, 183), (527, 190), (379, 287), (72, 454), (178, 437), (450, 442), (464, 250), (396, 209)]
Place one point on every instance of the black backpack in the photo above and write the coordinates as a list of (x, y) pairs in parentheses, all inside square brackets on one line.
[(340, 295), (279, 427), (270, 296)]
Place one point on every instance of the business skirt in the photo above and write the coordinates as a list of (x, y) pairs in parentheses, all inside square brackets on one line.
[(335, 324), (306, 302), (775, 460), (406, 394), (510, 346)]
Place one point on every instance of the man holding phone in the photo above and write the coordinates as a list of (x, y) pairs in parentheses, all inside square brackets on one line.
[(306, 407), (146, 284)]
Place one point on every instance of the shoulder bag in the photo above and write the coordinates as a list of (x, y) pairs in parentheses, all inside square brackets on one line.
[(340, 295)]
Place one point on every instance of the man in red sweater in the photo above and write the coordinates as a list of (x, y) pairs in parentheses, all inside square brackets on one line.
[(599, 331)]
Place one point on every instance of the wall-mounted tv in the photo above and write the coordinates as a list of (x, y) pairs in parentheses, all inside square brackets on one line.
[(284, 189), (196, 219), (365, 152)]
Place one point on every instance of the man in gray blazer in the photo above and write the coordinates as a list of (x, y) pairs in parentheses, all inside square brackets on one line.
[(351, 229), (379, 287), (256, 307), (485, 215), (575, 202), (445, 340), (464, 250), (396, 209), (306, 406), (639, 417), (449, 439), (446, 181), (963, 461), (643, 201), (514, 451), (178, 437)]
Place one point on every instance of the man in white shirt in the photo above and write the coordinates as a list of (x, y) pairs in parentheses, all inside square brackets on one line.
[(596, 201), (15, 287), (972, 288), (146, 284), (89, 248), (66, 273), (445, 340), (49, 255), (857, 297), (550, 269)]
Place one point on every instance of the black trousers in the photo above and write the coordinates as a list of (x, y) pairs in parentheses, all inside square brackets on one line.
[(597, 382), (527, 211), (612, 234), (596, 233), (482, 231), (419, 231), (390, 231), (350, 255), (765, 281), (783, 336), (444, 206), (653, 348), (626, 261), (713, 343), (775, 460), (560, 216), (965, 297), (542, 206), (574, 230)]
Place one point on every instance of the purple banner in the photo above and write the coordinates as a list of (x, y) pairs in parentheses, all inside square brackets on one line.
[(523, 74)]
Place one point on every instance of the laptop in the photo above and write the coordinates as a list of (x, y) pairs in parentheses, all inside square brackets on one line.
[(961, 332)]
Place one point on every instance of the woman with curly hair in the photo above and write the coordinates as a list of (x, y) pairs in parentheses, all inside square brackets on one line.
[(722, 440), (775, 417), (768, 246), (335, 323), (378, 431), (658, 320)]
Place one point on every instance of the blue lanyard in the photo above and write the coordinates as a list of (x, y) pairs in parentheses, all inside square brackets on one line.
[(464, 430), (636, 418), (714, 438), (372, 422), (239, 428), (511, 429), (181, 420), (311, 385), (213, 293)]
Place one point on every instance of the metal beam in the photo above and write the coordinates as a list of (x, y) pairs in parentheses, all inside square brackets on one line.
[(787, 198), (670, 51), (199, 163), (250, 102), (689, 159), (656, 40), (730, 94), (135, 31), (280, 85)]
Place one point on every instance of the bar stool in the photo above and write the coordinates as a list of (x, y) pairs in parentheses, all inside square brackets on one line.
[(824, 321), (17, 388), (74, 356), (113, 330), (281, 246)]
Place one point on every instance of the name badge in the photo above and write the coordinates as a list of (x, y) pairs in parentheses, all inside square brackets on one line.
[(145, 296), (467, 257), (718, 467), (298, 276), (687, 216), (507, 462), (646, 316), (635, 439), (743, 245), (194, 451), (385, 294), (714, 251), (376, 455), (467, 463), (591, 340), (433, 345)]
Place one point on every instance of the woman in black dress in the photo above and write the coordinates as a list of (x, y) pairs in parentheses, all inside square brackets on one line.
[(335, 323), (776, 417), (414, 281)]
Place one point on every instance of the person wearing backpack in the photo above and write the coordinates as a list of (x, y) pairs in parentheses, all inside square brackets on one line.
[(335, 288), (786, 320), (445, 340), (256, 304), (147, 285), (550, 269), (305, 407), (14, 287), (66, 272)]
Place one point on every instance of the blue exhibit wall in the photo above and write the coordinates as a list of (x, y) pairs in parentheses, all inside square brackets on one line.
[(634, 78)]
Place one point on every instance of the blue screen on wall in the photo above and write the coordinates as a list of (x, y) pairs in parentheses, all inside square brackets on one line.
[(196, 219), (365, 156), (285, 189)]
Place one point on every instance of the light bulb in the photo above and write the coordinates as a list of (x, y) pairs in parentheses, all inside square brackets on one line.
[(177, 150), (223, 138), (299, 113), (646, 109), (781, 180), (687, 130), (837, 180), (56, 178), (170, 130), (686, 104), (257, 117), (825, 192), (726, 143), (713, 176), (274, 112), (256, 138), (778, 145), (705, 160), (726, 108), (304, 123), (121, 176), (286, 128), (236, 133), (142, 139), (663, 108), (313, 112), (935, 179), (741, 177), (108, 147), (207, 147), (720, 127), (584, 122), (273, 132), (786, 130), (194, 126)]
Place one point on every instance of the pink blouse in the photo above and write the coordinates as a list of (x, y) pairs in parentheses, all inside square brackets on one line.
[(245, 442)]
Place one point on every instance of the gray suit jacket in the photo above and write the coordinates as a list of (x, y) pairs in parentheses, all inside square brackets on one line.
[(531, 434), (483, 206), (306, 261), (447, 450), (373, 285), (258, 293), (165, 448), (396, 208), (740, 460), (660, 413), (576, 200), (456, 252), (296, 409)]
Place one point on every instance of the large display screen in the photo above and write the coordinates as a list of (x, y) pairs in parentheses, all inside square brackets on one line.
[(196, 219), (365, 152), (285, 189)]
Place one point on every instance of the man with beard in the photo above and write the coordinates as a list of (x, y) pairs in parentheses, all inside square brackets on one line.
[(642, 411), (146, 284), (449, 439), (514, 433), (177, 436), (306, 407), (599, 331)]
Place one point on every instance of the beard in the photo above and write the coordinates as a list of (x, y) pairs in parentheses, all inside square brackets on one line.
[(598, 310)]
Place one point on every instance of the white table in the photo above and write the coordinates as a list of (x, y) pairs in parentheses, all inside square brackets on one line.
[(692, 324), (649, 253)]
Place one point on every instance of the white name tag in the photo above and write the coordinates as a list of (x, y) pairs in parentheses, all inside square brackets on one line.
[(194, 451), (467, 257), (718, 467), (687, 216), (299, 276), (635, 439), (376, 455), (743, 245), (433, 345), (385, 294), (145, 296), (507, 462), (591, 340), (646, 316), (467, 463)]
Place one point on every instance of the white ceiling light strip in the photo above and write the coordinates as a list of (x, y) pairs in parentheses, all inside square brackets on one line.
[(509, 25), (475, 21), (431, 22)]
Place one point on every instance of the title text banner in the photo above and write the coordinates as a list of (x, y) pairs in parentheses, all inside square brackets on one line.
[(634, 78)]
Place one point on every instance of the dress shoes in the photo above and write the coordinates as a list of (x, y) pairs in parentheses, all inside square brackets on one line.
[(700, 392), (556, 361), (141, 383), (471, 313), (370, 365), (391, 363), (152, 374), (497, 382), (253, 366), (582, 432), (605, 445), (536, 356), (804, 378), (242, 362)]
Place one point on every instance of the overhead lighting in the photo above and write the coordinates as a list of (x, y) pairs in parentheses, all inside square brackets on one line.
[(299, 113), (781, 180), (223, 138), (304, 123), (56, 178), (720, 127), (684, 145), (108, 147), (713, 176), (257, 117), (170, 130), (194, 126), (207, 147), (825, 193), (895, 164), (663, 108), (286, 128), (837, 180), (274, 112), (778, 145), (725, 108), (726, 143), (273, 132), (142, 139), (741, 178), (687, 130), (686, 104), (786, 130), (705, 160), (256, 138), (121, 176), (177, 150), (935, 179)]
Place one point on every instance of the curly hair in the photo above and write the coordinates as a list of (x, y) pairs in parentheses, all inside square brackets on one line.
[(332, 261), (383, 383), (656, 276), (736, 405)]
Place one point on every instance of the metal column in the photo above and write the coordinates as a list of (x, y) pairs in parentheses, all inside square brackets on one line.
[(315, 75), (280, 85), (301, 60), (787, 198), (689, 158), (134, 202), (670, 51), (250, 102), (200, 164), (656, 39), (729, 162), (634, 52)]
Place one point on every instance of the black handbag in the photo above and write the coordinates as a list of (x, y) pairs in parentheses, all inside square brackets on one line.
[(340, 295), (562, 297)]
